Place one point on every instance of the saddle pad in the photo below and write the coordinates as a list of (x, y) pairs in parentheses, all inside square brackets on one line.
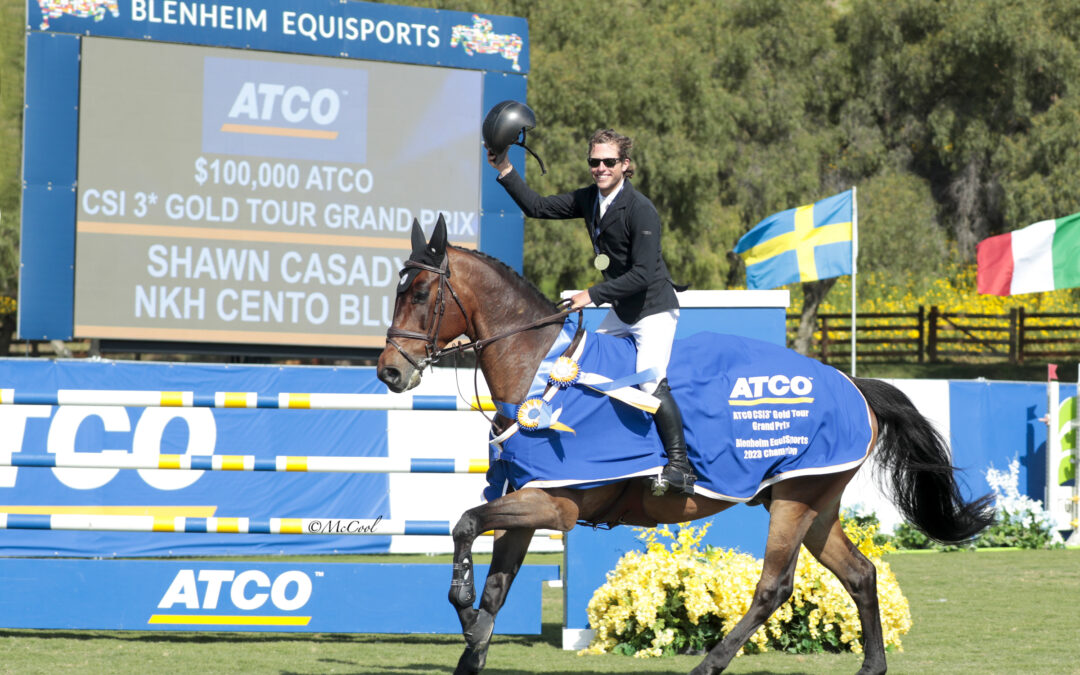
[(754, 414)]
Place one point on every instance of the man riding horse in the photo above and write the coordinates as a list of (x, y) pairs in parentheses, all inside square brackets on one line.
[(625, 231)]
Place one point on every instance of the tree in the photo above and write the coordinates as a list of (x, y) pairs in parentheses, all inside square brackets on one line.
[(898, 229), (12, 24), (1038, 170), (951, 82)]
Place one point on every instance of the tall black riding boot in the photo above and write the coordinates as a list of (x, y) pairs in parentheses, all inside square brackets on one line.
[(678, 473)]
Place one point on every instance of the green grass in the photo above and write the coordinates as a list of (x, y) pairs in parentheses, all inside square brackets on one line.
[(985, 612)]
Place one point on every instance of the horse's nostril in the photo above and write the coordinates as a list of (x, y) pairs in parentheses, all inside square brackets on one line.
[(389, 375), (392, 378)]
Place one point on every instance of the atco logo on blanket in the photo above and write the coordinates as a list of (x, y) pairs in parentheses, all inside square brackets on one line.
[(288, 110), (764, 388)]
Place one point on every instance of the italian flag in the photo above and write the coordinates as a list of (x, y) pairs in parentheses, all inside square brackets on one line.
[(1040, 257)]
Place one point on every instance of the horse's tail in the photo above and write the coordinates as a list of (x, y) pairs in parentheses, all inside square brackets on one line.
[(916, 460)]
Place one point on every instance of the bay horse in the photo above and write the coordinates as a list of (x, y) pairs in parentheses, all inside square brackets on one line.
[(446, 291)]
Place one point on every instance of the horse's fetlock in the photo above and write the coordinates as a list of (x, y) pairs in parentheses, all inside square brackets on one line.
[(462, 588), (462, 597)]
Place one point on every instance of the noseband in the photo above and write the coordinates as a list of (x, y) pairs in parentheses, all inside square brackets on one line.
[(433, 353)]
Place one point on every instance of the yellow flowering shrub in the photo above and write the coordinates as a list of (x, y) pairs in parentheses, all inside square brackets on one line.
[(683, 598)]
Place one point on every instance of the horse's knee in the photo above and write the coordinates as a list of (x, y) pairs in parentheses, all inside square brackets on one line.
[(467, 527)]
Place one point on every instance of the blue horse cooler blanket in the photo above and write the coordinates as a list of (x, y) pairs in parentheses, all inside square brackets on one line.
[(755, 414)]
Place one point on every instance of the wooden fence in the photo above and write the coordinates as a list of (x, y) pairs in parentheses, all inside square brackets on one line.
[(936, 336)]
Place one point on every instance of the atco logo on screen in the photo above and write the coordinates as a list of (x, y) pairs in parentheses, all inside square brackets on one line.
[(287, 110)]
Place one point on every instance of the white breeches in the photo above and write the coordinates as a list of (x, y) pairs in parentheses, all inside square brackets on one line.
[(653, 336)]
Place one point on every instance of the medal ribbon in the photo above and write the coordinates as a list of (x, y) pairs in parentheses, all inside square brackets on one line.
[(594, 231)]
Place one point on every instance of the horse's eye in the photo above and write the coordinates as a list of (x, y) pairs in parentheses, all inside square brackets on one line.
[(420, 297)]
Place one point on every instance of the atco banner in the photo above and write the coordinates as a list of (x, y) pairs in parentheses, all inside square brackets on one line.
[(69, 432), (244, 596)]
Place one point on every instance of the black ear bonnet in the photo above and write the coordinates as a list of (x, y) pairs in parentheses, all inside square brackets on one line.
[(430, 253)]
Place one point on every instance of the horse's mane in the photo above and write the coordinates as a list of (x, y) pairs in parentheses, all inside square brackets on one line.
[(510, 275)]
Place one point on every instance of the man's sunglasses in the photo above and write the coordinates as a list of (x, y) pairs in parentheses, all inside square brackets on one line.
[(609, 162)]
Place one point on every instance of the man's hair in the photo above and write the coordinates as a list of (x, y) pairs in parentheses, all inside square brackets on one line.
[(623, 143)]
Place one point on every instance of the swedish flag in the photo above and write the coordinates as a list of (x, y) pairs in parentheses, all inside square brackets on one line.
[(806, 243)]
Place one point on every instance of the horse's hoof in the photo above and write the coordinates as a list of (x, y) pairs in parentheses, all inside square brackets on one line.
[(478, 635), (705, 669), (477, 640), (471, 662)]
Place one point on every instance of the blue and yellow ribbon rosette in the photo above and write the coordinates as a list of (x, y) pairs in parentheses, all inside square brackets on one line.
[(536, 413), (565, 372)]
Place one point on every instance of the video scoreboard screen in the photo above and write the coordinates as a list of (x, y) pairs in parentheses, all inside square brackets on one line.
[(250, 195), (261, 199)]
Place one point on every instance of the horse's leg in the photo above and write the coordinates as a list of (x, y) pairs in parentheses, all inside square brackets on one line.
[(827, 541), (477, 625), (519, 514), (524, 509), (789, 521)]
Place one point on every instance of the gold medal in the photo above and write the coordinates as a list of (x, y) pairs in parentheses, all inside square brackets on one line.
[(601, 261)]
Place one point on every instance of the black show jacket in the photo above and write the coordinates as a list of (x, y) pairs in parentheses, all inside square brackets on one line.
[(637, 282)]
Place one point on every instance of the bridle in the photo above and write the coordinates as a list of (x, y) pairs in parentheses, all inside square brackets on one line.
[(433, 353), (431, 350)]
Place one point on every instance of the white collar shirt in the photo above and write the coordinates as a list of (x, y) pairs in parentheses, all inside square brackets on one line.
[(605, 202)]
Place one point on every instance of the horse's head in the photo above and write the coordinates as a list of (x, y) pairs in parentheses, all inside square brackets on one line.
[(423, 319)]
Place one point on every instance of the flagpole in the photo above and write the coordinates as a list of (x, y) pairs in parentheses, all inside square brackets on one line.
[(854, 268)]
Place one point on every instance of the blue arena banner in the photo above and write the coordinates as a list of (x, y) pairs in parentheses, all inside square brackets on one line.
[(357, 30), (73, 431), (252, 597)]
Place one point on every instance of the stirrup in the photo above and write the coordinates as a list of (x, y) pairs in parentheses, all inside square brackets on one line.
[(661, 485)]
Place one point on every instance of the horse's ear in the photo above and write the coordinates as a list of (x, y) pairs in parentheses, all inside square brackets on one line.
[(437, 244), (418, 241)]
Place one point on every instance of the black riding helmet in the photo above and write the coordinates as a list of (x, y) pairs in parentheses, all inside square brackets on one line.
[(505, 123)]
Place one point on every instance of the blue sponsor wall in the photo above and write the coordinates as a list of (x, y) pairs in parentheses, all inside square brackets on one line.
[(993, 423), (246, 596), (39, 429)]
